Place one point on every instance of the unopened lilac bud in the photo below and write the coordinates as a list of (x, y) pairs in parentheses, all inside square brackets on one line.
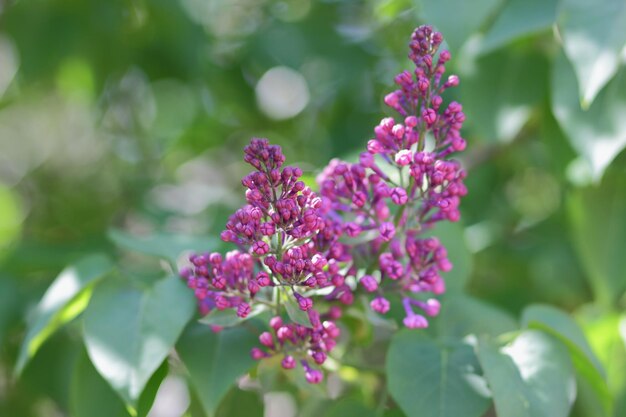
[(432, 307), (352, 229), (314, 376), (429, 116), (268, 228), (359, 199), (263, 279), (380, 305), (453, 81), (399, 196), (319, 357), (253, 287), (374, 147), (221, 303), (266, 339), (276, 322), (366, 159), (444, 56), (369, 283), (243, 310), (415, 321), (403, 157), (303, 302), (288, 362), (387, 231), (228, 236), (257, 354), (411, 121), (260, 248)]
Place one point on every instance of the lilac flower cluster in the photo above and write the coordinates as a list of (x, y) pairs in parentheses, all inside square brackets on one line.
[(403, 185), (363, 235)]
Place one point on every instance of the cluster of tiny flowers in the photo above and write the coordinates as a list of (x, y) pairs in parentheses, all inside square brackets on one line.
[(364, 232), (403, 185)]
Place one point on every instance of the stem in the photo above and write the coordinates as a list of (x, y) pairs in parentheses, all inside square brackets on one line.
[(380, 409)]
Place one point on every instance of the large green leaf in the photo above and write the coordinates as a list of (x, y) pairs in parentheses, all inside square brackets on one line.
[(241, 403), (161, 245), (531, 377), (560, 325), (214, 361), (593, 37), (519, 18), (129, 331), (457, 19), (462, 315), (91, 396), (501, 91), (66, 298), (599, 133), (602, 328), (430, 380), (598, 225)]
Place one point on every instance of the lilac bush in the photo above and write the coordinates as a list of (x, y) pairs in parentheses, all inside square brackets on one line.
[(364, 234)]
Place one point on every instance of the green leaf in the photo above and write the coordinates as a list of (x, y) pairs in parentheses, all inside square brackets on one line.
[(293, 310), (91, 396), (129, 331), (593, 37), (430, 380), (501, 91), (462, 315), (241, 403), (10, 216), (598, 224), (561, 326), (214, 361), (602, 328), (165, 246), (66, 298), (532, 377), (457, 19), (229, 317), (519, 18), (599, 133)]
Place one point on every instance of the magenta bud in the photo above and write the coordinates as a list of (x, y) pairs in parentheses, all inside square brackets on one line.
[(429, 116), (314, 376), (263, 279), (260, 248), (399, 196), (387, 231), (369, 283), (380, 305), (257, 354), (276, 322), (266, 339), (288, 362), (415, 321), (243, 310), (403, 157)]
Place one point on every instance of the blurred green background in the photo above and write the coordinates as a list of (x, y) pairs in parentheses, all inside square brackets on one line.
[(132, 114)]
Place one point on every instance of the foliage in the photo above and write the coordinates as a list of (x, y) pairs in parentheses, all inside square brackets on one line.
[(119, 141)]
